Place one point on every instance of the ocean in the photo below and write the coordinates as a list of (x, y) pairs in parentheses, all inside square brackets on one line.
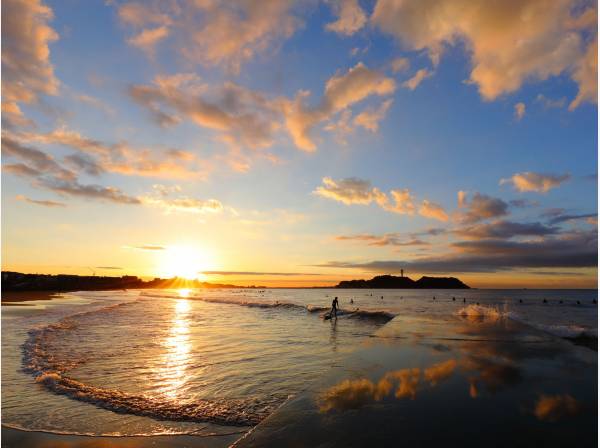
[(217, 362)]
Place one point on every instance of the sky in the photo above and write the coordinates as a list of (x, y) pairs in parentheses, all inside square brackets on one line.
[(299, 143)]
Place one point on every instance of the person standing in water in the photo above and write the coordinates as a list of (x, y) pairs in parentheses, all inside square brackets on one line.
[(334, 307)]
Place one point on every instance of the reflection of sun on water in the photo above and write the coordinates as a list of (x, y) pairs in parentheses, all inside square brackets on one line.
[(172, 376), (184, 292)]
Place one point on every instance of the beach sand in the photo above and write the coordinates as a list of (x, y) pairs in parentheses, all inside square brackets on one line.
[(461, 382)]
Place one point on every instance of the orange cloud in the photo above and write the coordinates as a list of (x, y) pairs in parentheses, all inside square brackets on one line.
[(508, 42), (432, 210), (351, 18), (540, 183), (27, 71), (341, 92)]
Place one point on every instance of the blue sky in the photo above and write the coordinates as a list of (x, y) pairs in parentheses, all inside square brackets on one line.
[(259, 148)]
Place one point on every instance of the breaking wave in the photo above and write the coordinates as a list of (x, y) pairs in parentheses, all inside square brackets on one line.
[(39, 361), (483, 312), (379, 315)]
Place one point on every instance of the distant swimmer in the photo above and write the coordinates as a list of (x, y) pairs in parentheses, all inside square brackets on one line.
[(578, 302), (433, 297), (544, 301), (334, 308), (560, 301), (464, 300), (351, 300), (381, 297), (453, 299), (520, 300)]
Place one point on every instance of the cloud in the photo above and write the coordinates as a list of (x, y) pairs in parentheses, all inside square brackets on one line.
[(48, 174), (370, 118), (43, 203), (505, 229), (358, 191), (418, 77), (462, 198), (147, 39), (586, 75), (97, 157), (213, 33), (83, 162), (519, 111), (508, 43), (111, 268), (27, 71), (388, 239), (20, 169), (540, 183), (523, 203), (341, 92), (142, 14), (35, 161), (351, 17), (481, 207), (95, 102), (432, 210), (184, 204), (403, 202), (549, 103), (76, 189), (400, 65), (254, 273), (240, 115), (557, 219), (573, 250), (244, 118), (350, 191), (151, 247)]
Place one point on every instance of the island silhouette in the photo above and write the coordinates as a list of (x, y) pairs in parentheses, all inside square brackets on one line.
[(402, 282)]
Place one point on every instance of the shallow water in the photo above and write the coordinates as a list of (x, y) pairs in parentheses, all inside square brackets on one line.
[(214, 361)]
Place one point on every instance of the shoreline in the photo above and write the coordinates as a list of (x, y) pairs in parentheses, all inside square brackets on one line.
[(15, 437)]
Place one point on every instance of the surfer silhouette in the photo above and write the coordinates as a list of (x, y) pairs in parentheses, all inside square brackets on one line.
[(334, 307)]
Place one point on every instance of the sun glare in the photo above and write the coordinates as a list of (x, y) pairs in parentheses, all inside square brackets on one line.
[(184, 292), (184, 262)]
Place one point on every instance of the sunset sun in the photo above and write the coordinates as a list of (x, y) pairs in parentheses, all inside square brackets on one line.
[(184, 262)]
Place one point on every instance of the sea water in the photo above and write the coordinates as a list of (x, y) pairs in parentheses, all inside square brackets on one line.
[(214, 362)]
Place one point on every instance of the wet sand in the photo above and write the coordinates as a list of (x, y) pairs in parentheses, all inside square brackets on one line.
[(14, 438), (447, 383), (15, 297)]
